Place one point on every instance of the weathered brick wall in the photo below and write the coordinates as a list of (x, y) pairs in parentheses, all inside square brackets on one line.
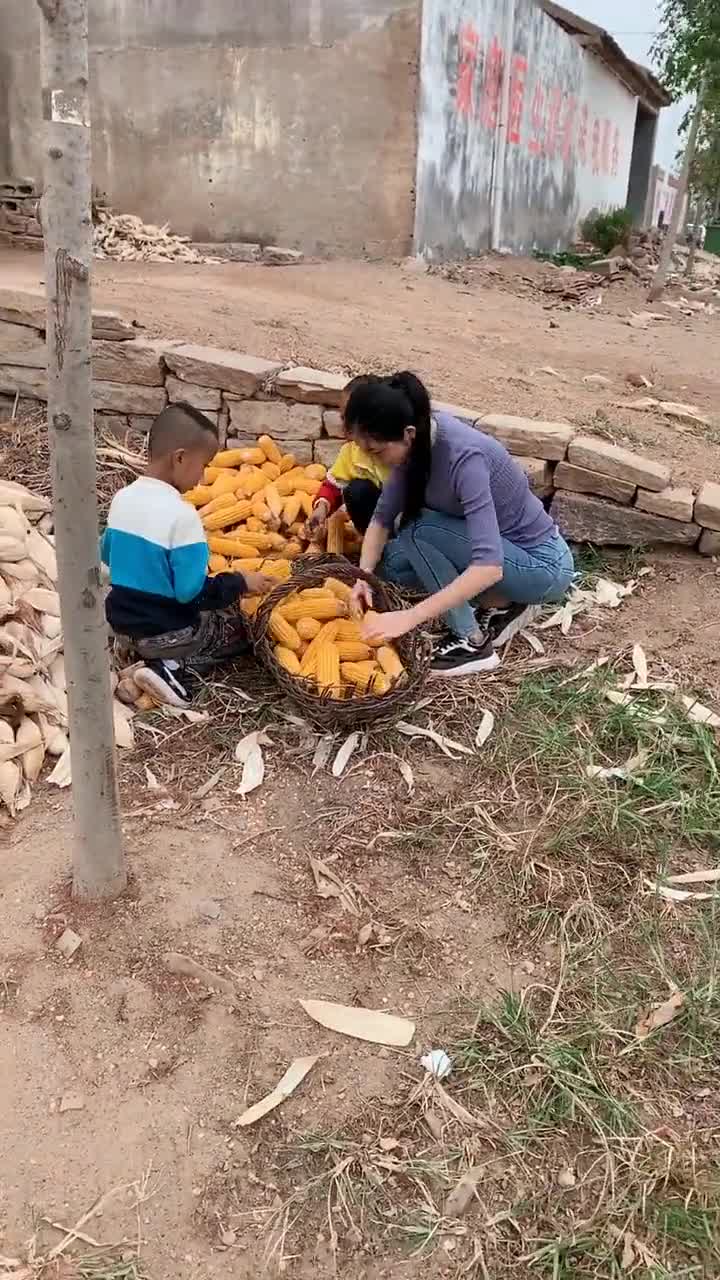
[(597, 491)]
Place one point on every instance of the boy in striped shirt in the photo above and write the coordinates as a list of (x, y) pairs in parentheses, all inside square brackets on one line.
[(162, 603)]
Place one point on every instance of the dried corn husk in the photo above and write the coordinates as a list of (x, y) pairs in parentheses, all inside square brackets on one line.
[(10, 785), (43, 600), (12, 523), (14, 495), (50, 626), (12, 550), (55, 740), (20, 569), (29, 737), (7, 737), (61, 775), (122, 723), (56, 671), (42, 554), (128, 691), (5, 593), (34, 694)]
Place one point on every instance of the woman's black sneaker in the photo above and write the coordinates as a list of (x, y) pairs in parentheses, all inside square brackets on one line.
[(502, 624), (456, 657), (167, 682)]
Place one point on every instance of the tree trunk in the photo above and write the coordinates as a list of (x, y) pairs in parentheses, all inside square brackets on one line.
[(98, 862), (663, 268)]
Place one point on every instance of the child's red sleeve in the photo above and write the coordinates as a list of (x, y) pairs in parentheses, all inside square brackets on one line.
[(330, 493)]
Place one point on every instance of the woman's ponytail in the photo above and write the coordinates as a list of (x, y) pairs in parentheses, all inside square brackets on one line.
[(420, 458)]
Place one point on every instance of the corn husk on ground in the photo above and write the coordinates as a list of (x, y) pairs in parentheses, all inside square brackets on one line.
[(254, 504), (317, 639), (33, 697)]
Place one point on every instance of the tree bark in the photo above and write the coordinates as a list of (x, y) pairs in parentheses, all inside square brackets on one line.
[(98, 862), (663, 268)]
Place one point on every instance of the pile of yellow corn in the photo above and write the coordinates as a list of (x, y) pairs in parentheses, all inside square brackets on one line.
[(254, 505), (317, 640)]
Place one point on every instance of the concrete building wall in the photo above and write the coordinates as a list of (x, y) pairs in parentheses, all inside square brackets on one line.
[(291, 121), (568, 143)]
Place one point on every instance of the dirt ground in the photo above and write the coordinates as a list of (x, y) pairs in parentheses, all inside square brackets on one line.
[(484, 340), (162, 1067)]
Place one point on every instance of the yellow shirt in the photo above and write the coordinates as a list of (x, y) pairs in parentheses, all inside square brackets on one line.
[(352, 463)]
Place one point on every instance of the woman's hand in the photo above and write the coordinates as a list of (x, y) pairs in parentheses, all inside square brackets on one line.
[(389, 626), (361, 598), (317, 521)]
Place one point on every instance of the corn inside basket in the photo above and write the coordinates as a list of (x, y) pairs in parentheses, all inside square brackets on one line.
[(352, 698)]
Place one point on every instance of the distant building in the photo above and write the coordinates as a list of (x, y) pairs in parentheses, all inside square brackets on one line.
[(376, 127)]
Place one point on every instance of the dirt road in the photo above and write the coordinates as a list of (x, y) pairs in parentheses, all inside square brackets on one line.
[(485, 340)]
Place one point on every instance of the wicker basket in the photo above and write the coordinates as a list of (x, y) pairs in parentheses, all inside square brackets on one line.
[(360, 708)]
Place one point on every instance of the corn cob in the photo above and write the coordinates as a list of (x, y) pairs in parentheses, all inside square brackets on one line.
[(287, 482), (217, 564), (211, 474), (390, 662), (335, 530), (270, 449), (217, 504), (322, 610), (316, 471), (291, 509), (252, 482), (306, 503), (379, 684), (293, 549), (308, 628), (260, 513), (199, 496), (249, 605), (287, 463), (326, 633), (250, 564), (271, 470), (305, 485), (314, 593), (260, 541), (327, 669), (339, 589), (359, 674), (288, 659), (229, 458), (232, 547), (283, 633), (226, 517), (349, 629), (227, 482), (278, 568), (354, 651), (274, 501)]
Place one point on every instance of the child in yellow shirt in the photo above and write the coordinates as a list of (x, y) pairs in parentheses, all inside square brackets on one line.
[(355, 479)]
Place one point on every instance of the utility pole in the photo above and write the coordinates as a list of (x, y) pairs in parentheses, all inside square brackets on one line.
[(663, 268), (98, 861)]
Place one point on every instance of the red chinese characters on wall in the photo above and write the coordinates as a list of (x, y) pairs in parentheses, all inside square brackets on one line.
[(542, 116)]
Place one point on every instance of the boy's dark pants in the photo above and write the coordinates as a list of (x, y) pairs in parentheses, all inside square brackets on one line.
[(361, 498), (216, 637)]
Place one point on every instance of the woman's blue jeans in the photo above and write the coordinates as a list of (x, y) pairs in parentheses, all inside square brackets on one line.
[(430, 553)]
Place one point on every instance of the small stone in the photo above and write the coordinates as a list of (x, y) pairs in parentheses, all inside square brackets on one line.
[(333, 424), (597, 380), (605, 266), (68, 943), (709, 544), (566, 1179), (611, 460), (209, 908), (137, 361), (119, 397), (72, 1102), (580, 480), (527, 437), (528, 966), (274, 255), (553, 324), (284, 422), (470, 416), (707, 505), (638, 380), (676, 504), (587, 519), (203, 398), (311, 386), (231, 371)]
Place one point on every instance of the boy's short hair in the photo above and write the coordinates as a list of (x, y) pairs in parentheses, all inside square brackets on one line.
[(180, 426)]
